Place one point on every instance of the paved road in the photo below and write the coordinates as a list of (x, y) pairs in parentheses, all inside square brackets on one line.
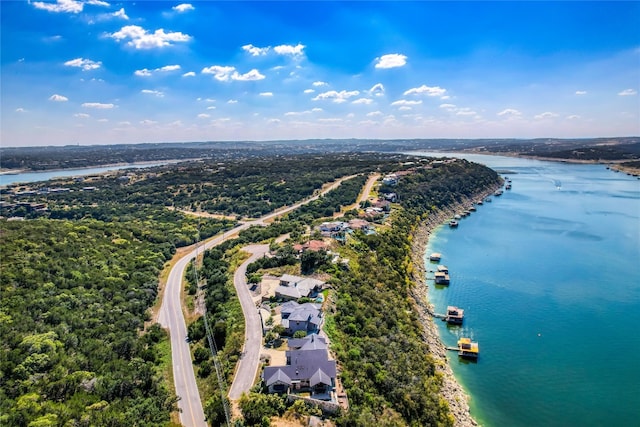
[(172, 318), (248, 364)]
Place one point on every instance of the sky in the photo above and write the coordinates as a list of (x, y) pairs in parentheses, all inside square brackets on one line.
[(105, 72)]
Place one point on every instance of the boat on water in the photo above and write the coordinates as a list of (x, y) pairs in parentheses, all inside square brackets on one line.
[(498, 193), (453, 223), (455, 315), (457, 216), (479, 202), (442, 275), (472, 209), (487, 200), (468, 349), (507, 187), (435, 257)]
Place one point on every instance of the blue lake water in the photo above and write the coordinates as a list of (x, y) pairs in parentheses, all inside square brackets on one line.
[(7, 179), (549, 277)]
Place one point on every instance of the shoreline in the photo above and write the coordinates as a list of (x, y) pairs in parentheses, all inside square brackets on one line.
[(451, 390)]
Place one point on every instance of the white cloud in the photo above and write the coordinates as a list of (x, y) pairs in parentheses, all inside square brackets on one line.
[(300, 113), (142, 39), (142, 73), (377, 90), (427, 90), (447, 106), (573, 117), (184, 7), (148, 122), (404, 103), (98, 3), (81, 115), (249, 76), (285, 49), (169, 68), (121, 14), (404, 108), (98, 105), (189, 74), (221, 73), (232, 101), (545, 115), (374, 114), (465, 112), (58, 98), (509, 112), (628, 92), (255, 51), (391, 60), (365, 101), (66, 6), (266, 93), (309, 91), (335, 96), (103, 120), (85, 64), (211, 107), (581, 92), (152, 92), (203, 116), (319, 83), (20, 110)]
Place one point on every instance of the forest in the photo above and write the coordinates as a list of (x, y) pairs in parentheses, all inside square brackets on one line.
[(78, 282)]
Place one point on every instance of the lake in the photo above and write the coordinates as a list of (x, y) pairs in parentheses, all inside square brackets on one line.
[(548, 275)]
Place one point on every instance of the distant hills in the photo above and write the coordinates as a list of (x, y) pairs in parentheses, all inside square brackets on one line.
[(620, 149)]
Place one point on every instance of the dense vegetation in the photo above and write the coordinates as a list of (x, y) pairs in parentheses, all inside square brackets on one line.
[(74, 300), (386, 368)]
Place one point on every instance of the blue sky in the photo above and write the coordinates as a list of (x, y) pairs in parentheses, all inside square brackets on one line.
[(98, 72)]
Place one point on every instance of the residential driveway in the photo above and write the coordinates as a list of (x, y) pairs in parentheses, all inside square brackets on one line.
[(248, 365)]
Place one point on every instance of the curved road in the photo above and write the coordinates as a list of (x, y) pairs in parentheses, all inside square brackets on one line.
[(172, 318), (248, 365)]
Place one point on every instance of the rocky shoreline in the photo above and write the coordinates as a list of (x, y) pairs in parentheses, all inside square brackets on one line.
[(452, 391)]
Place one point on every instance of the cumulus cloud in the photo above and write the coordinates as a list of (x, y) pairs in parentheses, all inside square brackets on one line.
[(148, 122), (98, 105), (465, 112), (392, 60), (255, 51), (157, 93), (581, 92), (426, 90), (85, 64), (226, 73), (184, 7), (545, 115), (251, 75), (300, 113), (20, 110), (140, 38), (364, 101), (58, 98), (266, 93), (121, 14), (336, 96), (377, 90), (203, 116), (405, 103), (374, 114), (309, 91), (143, 73), (211, 107), (509, 112), (98, 3), (447, 107), (232, 101), (285, 49), (169, 68), (60, 6), (628, 92), (573, 117), (189, 74), (319, 83), (81, 115)]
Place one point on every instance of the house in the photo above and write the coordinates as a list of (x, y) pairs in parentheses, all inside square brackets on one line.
[(392, 197), (391, 179), (311, 245), (307, 370), (295, 287), (359, 224), (300, 317), (332, 229)]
